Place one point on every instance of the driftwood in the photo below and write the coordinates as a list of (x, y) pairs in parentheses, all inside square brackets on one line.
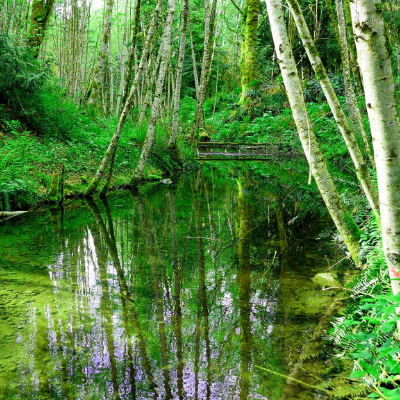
[(10, 214)]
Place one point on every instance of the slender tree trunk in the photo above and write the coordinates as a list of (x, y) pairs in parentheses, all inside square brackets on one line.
[(380, 97), (249, 53), (132, 52), (195, 75), (205, 71), (110, 61), (178, 86), (122, 59), (352, 48), (112, 147), (342, 218), (101, 63), (11, 24), (166, 50), (336, 108), (351, 100), (149, 92), (40, 15)]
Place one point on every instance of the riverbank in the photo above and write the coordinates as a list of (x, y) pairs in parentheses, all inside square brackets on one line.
[(30, 158)]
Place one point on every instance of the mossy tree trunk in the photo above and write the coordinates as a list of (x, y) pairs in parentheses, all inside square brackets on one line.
[(249, 53), (205, 70), (155, 110), (112, 147), (342, 218), (40, 15), (382, 107), (179, 72), (334, 104)]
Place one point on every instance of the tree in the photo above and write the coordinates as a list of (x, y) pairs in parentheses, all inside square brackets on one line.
[(177, 94), (205, 68), (96, 89), (112, 147), (342, 218), (249, 53), (40, 15), (382, 108), (166, 51), (337, 111)]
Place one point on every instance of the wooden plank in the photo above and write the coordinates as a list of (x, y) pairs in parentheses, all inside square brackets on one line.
[(229, 144)]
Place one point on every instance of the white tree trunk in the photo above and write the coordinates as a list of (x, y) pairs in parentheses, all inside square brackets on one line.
[(195, 75), (112, 147), (178, 86), (336, 108), (100, 70), (122, 60), (354, 111), (342, 218), (380, 97), (165, 58)]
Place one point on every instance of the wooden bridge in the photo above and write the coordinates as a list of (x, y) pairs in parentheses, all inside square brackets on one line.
[(214, 151)]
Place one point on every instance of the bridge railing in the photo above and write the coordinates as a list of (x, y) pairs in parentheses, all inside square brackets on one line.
[(238, 150)]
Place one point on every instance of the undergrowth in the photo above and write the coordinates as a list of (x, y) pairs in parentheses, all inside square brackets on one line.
[(366, 332)]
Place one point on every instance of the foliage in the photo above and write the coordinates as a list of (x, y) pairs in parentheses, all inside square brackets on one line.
[(365, 333), (21, 75), (314, 93)]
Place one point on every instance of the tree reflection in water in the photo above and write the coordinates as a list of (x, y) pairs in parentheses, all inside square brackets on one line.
[(176, 294)]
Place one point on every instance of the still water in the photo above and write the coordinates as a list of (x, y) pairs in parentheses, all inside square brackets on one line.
[(176, 293)]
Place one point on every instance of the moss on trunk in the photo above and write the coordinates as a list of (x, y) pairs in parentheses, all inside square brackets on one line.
[(249, 53)]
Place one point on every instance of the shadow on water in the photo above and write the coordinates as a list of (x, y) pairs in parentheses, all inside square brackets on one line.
[(177, 294)]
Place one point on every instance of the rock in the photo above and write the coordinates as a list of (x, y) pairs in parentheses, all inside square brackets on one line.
[(166, 181), (325, 279)]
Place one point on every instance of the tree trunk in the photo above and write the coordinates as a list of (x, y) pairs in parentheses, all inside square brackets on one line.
[(40, 15), (11, 24), (101, 63), (342, 218), (166, 50), (122, 60), (352, 48), (195, 75), (149, 91), (112, 147), (351, 100), (132, 52), (249, 53), (380, 97), (336, 108), (205, 71), (178, 86)]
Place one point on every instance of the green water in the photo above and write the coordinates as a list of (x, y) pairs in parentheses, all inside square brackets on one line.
[(178, 293)]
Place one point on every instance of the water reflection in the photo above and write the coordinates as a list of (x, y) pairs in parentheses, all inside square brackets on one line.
[(177, 294)]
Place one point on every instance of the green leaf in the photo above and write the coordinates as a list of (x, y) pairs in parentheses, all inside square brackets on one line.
[(357, 374), (388, 327)]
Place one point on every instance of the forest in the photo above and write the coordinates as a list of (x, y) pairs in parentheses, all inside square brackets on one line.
[(199, 199)]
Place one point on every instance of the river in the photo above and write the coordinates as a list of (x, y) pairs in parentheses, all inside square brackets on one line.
[(181, 292)]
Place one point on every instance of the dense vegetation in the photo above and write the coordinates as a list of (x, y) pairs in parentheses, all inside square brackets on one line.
[(99, 95)]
